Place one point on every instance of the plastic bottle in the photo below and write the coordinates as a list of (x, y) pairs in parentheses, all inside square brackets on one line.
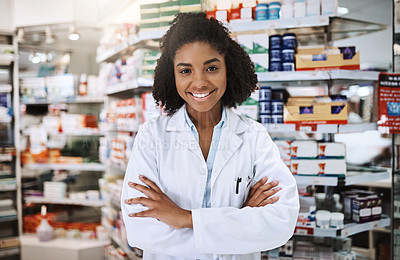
[(83, 85), (44, 230)]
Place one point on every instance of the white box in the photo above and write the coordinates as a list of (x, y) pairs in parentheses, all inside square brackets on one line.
[(260, 43), (261, 61), (332, 166), (304, 166), (246, 42), (331, 150), (304, 149)]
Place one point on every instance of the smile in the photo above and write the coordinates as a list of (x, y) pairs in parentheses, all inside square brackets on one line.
[(203, 95)]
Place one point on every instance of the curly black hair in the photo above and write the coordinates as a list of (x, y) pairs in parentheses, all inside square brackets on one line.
[(196, 27)]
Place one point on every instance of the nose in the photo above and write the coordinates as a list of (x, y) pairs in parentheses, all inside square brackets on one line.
[(199, 80)]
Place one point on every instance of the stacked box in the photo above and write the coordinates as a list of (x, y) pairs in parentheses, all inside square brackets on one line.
[(168, 11), (284, 150), (150, 17), (190, 6), (149, 63), (249, 108)]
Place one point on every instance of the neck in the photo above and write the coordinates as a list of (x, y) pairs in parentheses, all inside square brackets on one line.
[(205, 120)]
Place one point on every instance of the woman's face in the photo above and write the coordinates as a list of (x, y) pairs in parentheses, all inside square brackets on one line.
[(200, 75)]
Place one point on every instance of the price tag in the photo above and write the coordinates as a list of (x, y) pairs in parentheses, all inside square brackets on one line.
[(345, 232), (375, 224)]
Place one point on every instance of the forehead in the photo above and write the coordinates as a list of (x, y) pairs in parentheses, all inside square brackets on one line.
[(196, 51)]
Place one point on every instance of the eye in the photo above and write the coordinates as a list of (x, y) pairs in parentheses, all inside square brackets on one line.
[(184, 71), (212, 68)]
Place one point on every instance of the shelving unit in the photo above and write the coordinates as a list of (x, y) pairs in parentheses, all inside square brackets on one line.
[(323, 29), (66, 167), (66, 201), (349, 229)]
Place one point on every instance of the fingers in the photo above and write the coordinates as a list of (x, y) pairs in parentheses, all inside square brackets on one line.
[(139, 200), (150, 183), (142, 214), (265, 187), (257, 185), (145, 190), (269, 201)]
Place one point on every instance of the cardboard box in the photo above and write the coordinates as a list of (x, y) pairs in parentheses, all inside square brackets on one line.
[(315, 110), (261, 61), (322, 59)]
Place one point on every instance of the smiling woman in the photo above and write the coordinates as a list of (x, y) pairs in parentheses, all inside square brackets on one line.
[(211, 191)]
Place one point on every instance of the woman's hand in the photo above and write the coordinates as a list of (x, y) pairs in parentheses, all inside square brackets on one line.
[(261, 193), (159, 205)]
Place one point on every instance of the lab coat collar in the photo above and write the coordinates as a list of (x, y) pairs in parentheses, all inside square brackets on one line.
[(177, 121)]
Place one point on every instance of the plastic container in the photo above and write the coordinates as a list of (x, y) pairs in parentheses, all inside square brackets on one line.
[(289, 41), (275, 55), (265, 107), (275, 66), (274, 9), (44, 230), (275, 42), (265, 118), (288, 55), (323, 218), (337, 220), (265, 94), (277, 106), (262, 12), (288, 66), (300, 9), (276, 119)]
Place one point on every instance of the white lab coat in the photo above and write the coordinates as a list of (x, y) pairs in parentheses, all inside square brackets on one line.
[(166, 151)]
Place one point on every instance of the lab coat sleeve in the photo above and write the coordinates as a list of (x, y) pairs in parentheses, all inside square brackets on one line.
[(231, 230), (148, 233)]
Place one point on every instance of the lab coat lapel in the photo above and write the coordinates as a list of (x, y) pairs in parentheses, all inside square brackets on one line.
[(229, 143), (185, 138)]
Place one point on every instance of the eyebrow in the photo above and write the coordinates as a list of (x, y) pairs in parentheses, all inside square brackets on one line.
[(205, 63)]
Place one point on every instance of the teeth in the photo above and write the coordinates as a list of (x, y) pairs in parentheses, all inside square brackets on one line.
[(200, 95)]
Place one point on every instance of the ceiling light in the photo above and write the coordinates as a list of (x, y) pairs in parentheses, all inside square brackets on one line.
[(73, 35), (50, 39)]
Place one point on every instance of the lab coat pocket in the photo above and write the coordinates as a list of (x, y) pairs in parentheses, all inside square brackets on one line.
[(241, 187)]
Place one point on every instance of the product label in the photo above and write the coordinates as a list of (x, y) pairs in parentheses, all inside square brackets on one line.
[(365, 212)]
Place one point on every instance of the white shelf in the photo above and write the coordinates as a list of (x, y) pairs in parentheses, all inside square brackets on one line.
[(72, 100), (354, 75), (130, 85), (283, 76), (354, 128), (128, 46), (352, 178), (127, 250), (65, 201), (322, 128), (83, 132), (67, 167), (61, 243), (8, 215), (314, 21), (350, 229), (9, 251)]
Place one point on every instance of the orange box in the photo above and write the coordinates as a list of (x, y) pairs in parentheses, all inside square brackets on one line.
[(307, 59)]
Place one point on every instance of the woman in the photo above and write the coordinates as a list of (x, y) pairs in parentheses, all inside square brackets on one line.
[(196, 183)]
